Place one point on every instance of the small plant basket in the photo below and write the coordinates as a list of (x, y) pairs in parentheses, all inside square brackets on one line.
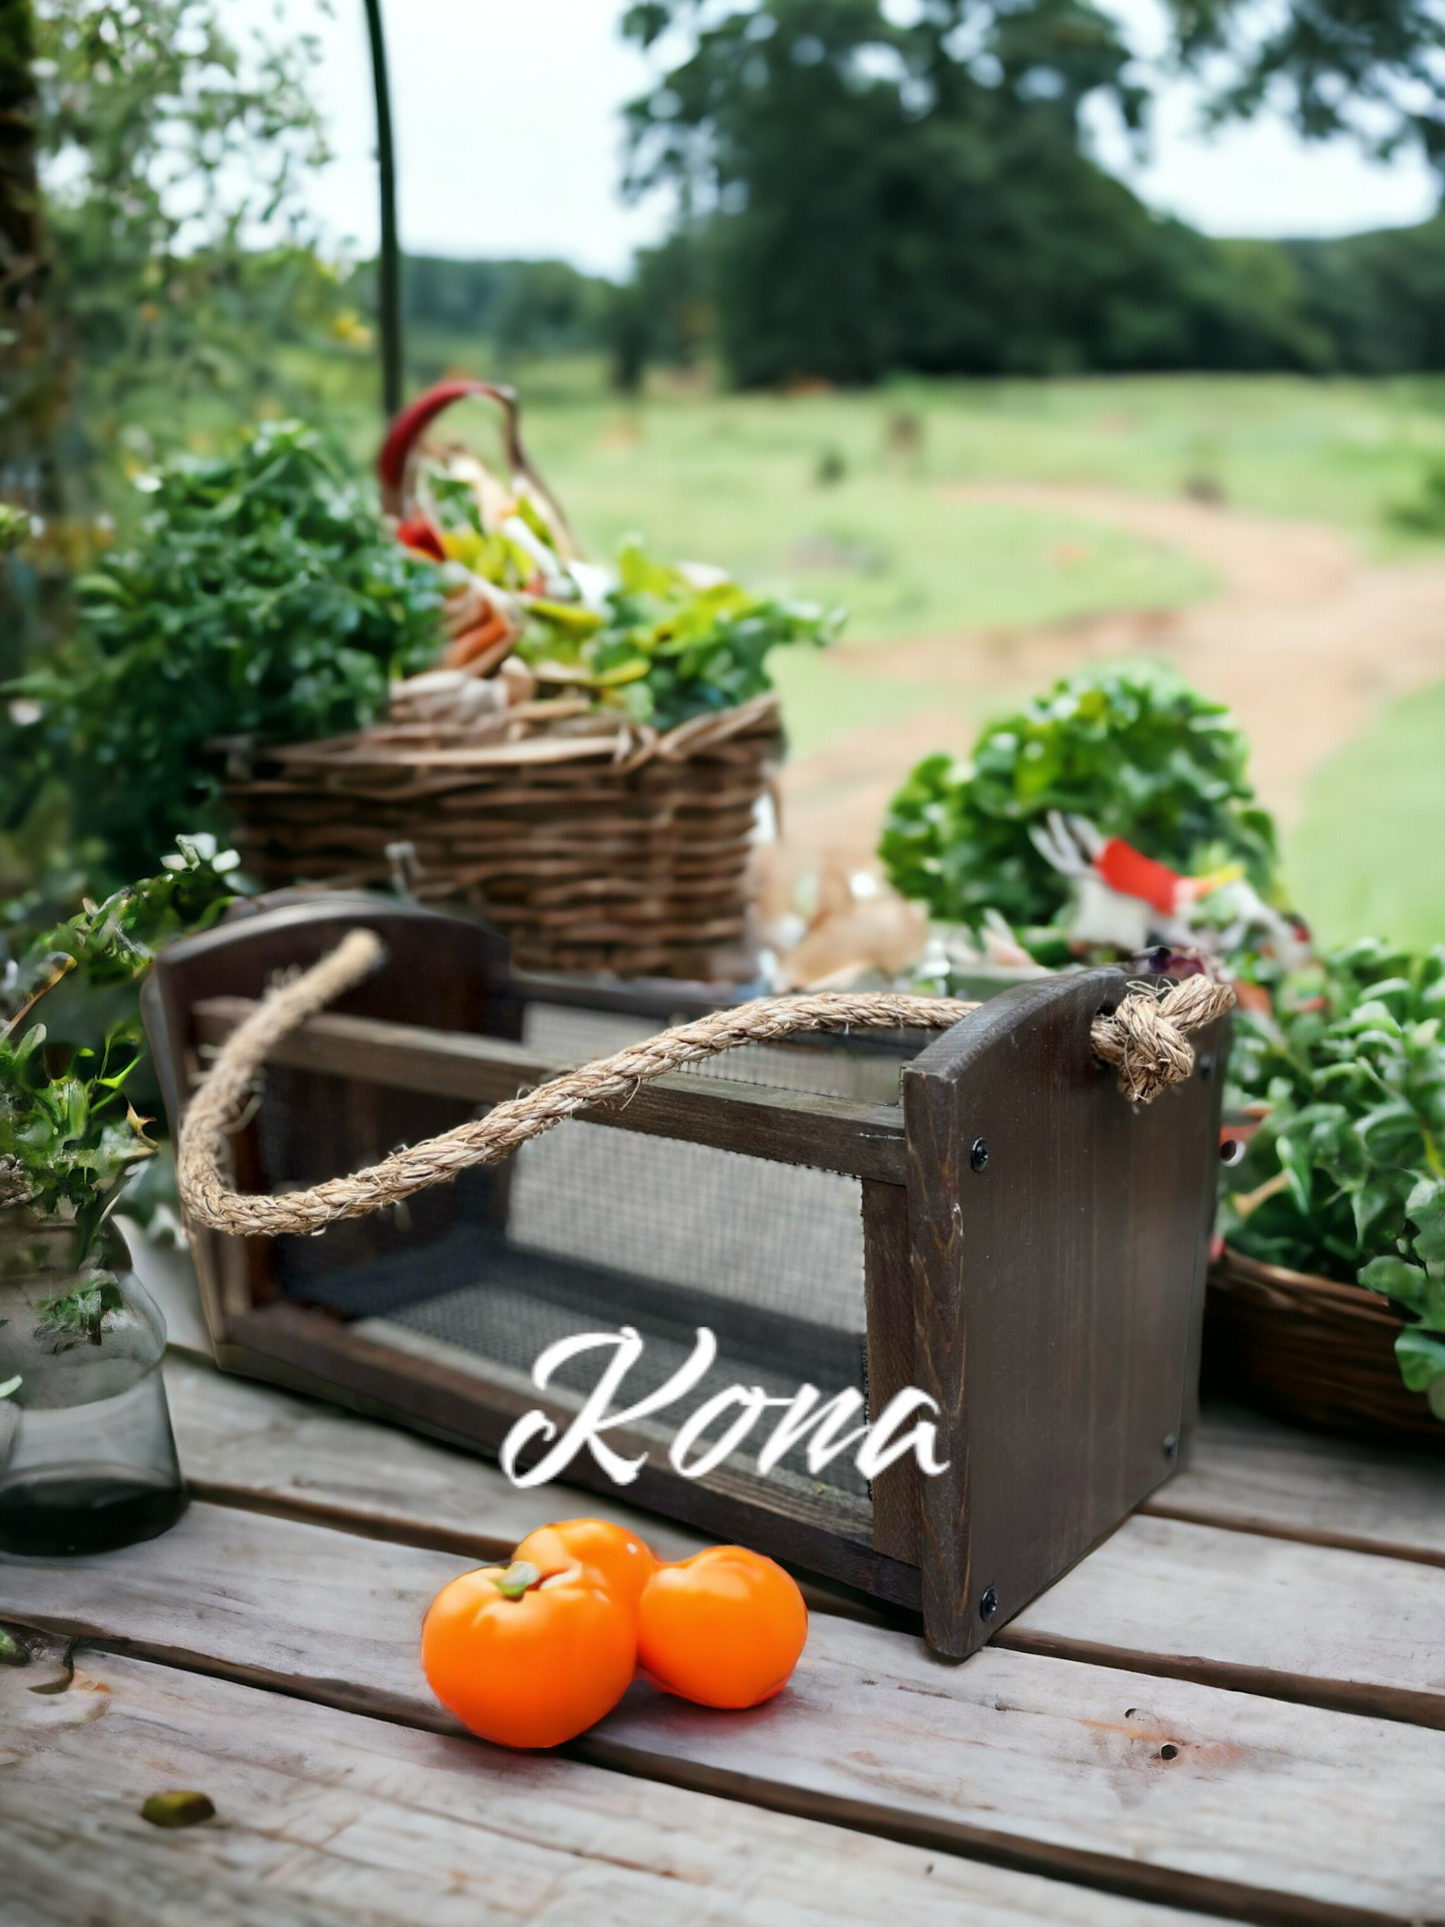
[(619, 850), (1311, 1350), (593, 843)]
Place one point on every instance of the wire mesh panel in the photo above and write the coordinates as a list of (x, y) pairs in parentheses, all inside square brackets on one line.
[(591, 1228)]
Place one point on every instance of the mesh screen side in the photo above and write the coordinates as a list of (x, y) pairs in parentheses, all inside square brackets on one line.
[(778, 1236), (865, 1068)]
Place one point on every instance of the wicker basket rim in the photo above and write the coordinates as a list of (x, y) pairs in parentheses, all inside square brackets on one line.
[(628, 747), (1236, 1266)]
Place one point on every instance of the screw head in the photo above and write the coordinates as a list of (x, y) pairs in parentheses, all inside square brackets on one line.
[(988, 1605), (1206, 1066), (978, 1153), (1171, 1445)]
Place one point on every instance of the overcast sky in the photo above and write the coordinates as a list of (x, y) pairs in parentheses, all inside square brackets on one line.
[(509, 142)]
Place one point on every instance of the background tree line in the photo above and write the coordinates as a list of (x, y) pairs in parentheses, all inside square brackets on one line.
[(864, 187)]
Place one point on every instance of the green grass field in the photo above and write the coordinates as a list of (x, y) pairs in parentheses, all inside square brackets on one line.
[(842, 497)]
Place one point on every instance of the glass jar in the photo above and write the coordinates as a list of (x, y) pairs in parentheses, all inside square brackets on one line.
[(87, 1457)]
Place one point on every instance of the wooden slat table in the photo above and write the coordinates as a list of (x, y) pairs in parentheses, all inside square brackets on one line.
[(1233, 1709)]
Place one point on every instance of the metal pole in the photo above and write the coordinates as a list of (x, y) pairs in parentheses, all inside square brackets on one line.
[(388, 267)]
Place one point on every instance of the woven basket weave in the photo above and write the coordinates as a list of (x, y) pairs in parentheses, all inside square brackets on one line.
[(1311, 1350), (616, 849)]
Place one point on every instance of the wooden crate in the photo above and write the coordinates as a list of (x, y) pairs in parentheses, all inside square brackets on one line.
[(1028, 1248)]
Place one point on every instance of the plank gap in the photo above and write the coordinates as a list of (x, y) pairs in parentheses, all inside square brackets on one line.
[(1298, 1535), (1073, 1866), (1070, 1865), (1360, 1697)]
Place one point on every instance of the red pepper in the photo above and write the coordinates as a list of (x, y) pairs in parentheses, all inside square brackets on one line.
[(423, 535), (1132, 874)]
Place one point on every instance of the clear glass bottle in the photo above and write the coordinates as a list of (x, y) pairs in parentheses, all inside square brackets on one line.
[(87, 1456)]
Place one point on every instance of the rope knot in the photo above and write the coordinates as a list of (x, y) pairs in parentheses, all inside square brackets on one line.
[(1147, 1037)]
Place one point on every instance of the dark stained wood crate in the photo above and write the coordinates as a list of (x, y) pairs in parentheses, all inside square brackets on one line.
[(980, 1215)]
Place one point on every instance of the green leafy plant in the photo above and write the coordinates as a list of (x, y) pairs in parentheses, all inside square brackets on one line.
[(72, 1316), (69, 1133), (1424, 512), (263, 598), (1344, 1176), (1131, 746), (666, 646)]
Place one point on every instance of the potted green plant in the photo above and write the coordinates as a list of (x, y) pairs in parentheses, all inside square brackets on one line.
[(87, 1459), (1328, 1300)]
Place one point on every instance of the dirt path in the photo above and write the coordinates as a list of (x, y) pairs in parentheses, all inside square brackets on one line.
[(1305, 641)]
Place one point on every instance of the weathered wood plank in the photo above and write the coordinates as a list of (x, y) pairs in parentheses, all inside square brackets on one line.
[(1254, 1474), (247, 1444), (244, 1444), (1330, 1627), (323, 1816), (888, 1287), (1055, 1239), (791, 1127), (1300, 1622), (1163, 1790)]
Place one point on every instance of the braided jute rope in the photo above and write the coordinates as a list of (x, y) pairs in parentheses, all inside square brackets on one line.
[(1146, 1037)]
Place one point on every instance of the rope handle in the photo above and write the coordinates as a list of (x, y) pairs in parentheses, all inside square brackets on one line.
[(1147, 1038)]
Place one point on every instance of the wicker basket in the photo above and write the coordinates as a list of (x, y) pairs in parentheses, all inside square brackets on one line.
[(1312, 1350), (611, 850)]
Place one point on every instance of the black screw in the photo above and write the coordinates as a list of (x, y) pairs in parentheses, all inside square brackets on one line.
[(978, 1155), (988, 1605), (1206, 1067), (1171, 1445)]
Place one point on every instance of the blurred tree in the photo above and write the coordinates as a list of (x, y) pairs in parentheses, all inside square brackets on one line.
[(170, 154), (886, 195), (665, 313), (146, 288), (1371, 68)]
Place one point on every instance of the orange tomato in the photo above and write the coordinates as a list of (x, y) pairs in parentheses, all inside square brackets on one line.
[(618, 1557), (528, 1658), (724, 1628)]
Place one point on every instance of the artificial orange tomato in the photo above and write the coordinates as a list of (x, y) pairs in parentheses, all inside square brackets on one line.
[(528, 1658), (618, 1557), (724, 1628)]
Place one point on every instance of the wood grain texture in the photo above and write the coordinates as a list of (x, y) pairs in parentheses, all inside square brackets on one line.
[(1254, 1474), (1288, 1619), (1300, 1622), (324, 1817), (1053, 1291), (246, 1444), (789, 1127), (827, 1536), (888, 1290), (1266, 1811)]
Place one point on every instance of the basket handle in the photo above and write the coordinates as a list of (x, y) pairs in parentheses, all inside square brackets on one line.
[(394, 465), (1146, 1037)]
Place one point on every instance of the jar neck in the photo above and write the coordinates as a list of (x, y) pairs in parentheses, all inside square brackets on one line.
[(32, 1245)]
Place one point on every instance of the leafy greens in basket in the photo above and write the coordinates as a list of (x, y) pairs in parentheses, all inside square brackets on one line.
[(1129, 746), (659, 642), (1345, 1175), (665, 644)]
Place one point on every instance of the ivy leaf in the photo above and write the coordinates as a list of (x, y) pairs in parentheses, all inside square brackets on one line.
[(1422, 1365), (1396, 1278)]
